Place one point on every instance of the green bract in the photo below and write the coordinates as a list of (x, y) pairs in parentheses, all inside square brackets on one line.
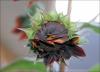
[(40, 17), (29, 32)]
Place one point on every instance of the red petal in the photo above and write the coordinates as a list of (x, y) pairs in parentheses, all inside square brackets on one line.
[(78, 51), (16, 31), (23, 36), (17, 25)]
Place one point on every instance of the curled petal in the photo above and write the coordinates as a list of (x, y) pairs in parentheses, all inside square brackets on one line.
[(78, 51)]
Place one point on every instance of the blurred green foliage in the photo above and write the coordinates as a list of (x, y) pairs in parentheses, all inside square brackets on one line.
[(93, 27), (95, 68), (24, 66)]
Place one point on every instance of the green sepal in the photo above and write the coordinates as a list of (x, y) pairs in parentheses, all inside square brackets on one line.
[(38, 19), (46, 17), (68, 25), (29, 32), (64, 19), (72, 29), (51, 16), (70, 36)]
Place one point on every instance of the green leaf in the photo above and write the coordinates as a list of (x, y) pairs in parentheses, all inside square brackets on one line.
[(95, 68), (94, 28), (24, 66), (29, 32)]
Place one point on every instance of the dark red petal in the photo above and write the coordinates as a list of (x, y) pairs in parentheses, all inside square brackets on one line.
[(23, 36), (78, 51), (17, 25), (16, 31)]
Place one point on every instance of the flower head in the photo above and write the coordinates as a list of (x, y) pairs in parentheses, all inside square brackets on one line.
[(52, 36)]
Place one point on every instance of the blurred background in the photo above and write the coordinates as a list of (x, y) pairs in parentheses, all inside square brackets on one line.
[(12, 49)]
